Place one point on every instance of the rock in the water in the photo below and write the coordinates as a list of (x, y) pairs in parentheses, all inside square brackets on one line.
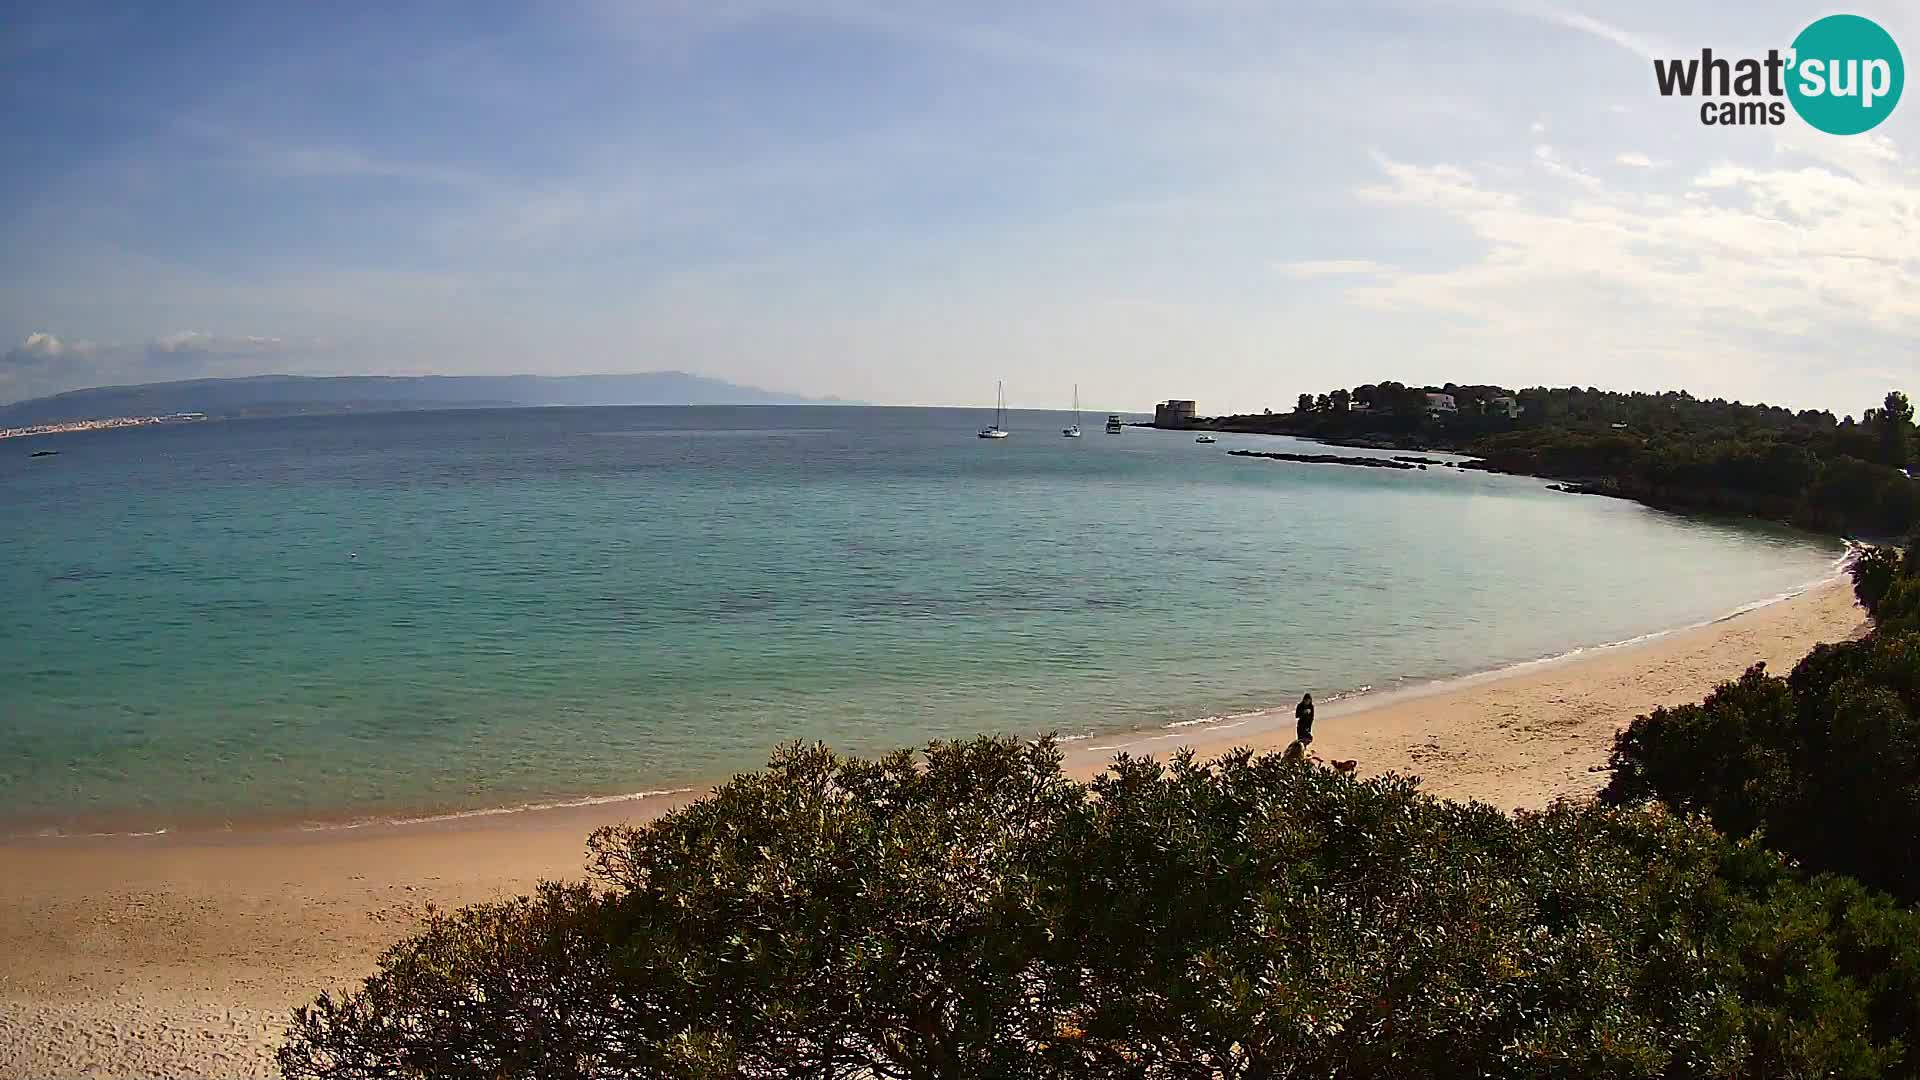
[(1327, 459)]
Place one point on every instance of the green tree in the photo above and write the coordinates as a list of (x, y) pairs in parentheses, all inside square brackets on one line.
[(1304, 405), (1894, 420)]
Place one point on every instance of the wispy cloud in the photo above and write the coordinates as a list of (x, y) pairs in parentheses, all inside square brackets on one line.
[(1306, 269), (307, 162), (1549, 159), (788, 191), (1741, 262), (1634, 43), (43, 363)]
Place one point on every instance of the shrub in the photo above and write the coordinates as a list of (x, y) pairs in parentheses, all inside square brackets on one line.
[(1874, 571), (1824, 765), (971, 913)]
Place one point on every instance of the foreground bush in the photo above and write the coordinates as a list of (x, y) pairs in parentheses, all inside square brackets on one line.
[(1824, 764), (972, 913)]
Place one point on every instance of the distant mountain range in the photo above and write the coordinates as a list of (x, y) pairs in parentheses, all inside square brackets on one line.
[(279, 395)]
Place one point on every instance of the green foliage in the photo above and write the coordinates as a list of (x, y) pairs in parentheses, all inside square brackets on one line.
[(1874, 572), (1824, 764), (970, 912), (520, 989), (1891, 424), (1669, 449), (1887, 583), (834, 911)]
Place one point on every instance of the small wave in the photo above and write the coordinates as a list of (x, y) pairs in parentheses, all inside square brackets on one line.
[(1250, 717), (1641, 639), (1417, 686), (1837, 572), (55, 833), (496, 811)]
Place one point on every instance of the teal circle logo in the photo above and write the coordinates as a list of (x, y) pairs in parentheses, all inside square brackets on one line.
[(1846, 75)]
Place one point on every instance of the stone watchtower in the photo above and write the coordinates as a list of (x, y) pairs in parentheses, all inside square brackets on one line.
[(1173, 413)]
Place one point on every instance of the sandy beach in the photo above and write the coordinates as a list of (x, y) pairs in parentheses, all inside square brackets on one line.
[(180, 956)]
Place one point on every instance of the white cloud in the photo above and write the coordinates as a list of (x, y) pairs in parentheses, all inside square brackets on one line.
[(195, 341), (45, 364), (1586, 24), (39, 345), (1633, 159), (1549, 159), (1318, 268), (41, 353), (1745, 271)]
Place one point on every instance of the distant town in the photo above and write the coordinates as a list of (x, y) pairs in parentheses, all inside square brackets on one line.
[(99, 425)]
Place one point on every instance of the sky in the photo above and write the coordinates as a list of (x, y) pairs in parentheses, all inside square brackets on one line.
[(901, 203)]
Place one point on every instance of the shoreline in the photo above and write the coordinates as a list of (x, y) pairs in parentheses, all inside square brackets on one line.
[(181, 955), (272, 828), (1504, 736)]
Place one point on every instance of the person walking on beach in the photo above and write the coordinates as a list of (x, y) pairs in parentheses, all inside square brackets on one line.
[(1303, 714)]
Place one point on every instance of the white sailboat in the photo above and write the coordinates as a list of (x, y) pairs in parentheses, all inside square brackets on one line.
[(999, 428), (1074, 431)]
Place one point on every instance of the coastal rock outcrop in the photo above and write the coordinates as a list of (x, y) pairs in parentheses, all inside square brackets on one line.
[(1328, 459)]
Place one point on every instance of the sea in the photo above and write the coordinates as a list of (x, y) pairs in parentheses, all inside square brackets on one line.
[(322, 621)]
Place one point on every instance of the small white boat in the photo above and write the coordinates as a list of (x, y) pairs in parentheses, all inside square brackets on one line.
[(1113, 424), (999, 428), (1206, 438), (1074, 431)]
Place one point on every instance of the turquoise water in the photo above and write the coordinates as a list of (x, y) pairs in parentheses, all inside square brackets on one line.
[(327, 618)]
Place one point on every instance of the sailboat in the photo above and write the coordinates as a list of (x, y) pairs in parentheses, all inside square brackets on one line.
[(1074, 431), (999, 428)]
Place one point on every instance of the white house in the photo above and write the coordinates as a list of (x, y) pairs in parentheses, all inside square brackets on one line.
[(1504, 405), (1439, 403)]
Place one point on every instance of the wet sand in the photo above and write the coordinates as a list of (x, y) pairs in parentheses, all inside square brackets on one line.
[(179, 956)]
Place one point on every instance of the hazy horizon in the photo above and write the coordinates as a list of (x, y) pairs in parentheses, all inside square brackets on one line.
[(901, 203)]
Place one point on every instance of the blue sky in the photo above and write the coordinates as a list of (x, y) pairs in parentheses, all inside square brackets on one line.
[(902, 202)]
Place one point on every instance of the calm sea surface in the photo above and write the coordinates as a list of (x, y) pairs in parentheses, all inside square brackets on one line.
[(327, 618)]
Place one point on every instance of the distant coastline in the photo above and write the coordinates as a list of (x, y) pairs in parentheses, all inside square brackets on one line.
[(281, 395), (107, 423)]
